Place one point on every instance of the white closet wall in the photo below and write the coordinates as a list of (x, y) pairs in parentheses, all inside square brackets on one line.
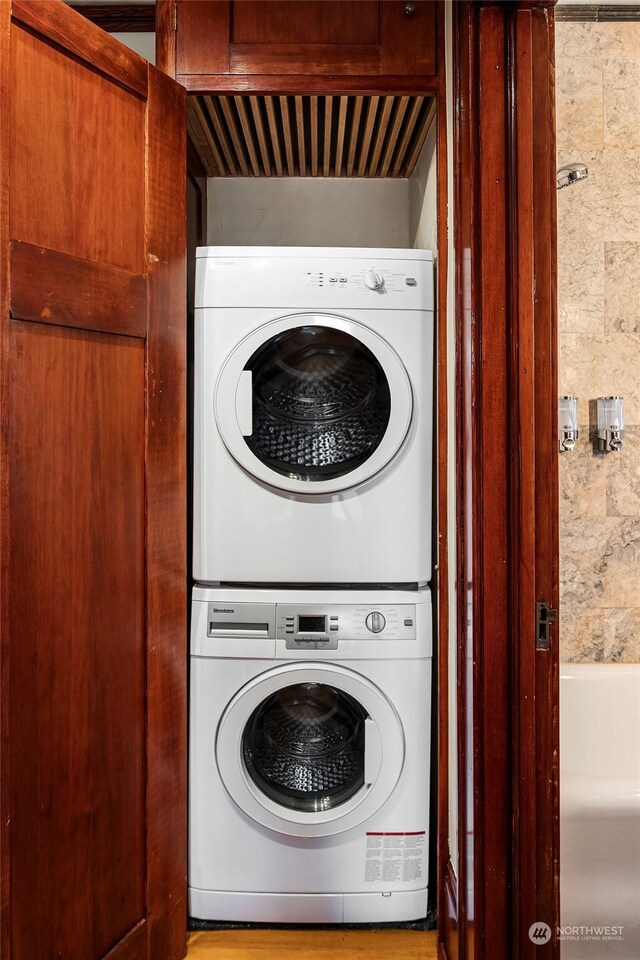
[(301, 211)]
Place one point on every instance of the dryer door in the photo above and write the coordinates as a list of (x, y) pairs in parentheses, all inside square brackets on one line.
[(310, 751), (313, 403)]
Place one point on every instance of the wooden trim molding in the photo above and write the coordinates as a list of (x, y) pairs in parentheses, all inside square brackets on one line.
[(57, 22), (119, 17), (449, 908), (166, 15), (88, 295), (266, 85), (166, 520), (507, 516), (6, 108), (597, 12)]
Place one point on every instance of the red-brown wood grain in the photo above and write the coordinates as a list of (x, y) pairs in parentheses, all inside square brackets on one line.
[(82, 123), (540, 690), (166, 519), (306, 22), (86, 294), (454, 918), (92, 495), (330, 83), (409, 43), (90, 45), (319, 38), (166, 36), (507, 475), (5, 646), (443, 533), (77, 694)]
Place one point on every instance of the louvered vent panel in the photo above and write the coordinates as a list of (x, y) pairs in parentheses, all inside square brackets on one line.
[(309, 136)]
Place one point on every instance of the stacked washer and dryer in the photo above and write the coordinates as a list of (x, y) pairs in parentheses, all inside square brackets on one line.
[(311, 636)]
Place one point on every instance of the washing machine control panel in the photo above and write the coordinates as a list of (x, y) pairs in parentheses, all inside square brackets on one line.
[(320, 626)]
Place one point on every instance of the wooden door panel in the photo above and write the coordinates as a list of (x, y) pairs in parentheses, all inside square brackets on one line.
[(305, 37), (92, 512), (299, 58), (77, 627), (306, 21), (77, 183), (87, 295), (505, 161), (408, 43)]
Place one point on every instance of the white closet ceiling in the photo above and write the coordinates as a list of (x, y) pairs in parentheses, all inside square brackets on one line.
[(309, 136)]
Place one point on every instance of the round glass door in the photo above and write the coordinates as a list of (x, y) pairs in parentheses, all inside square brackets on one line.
[(309, 750), (320, 403), (313, 403), (304, 746)]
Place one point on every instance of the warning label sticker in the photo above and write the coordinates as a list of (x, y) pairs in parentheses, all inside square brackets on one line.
[(394, 856)]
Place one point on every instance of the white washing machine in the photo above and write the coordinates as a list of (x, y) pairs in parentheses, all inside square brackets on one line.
[(313, 415), (309, 755)]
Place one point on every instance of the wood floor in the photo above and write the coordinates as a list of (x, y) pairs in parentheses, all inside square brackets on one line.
[(312, 945)]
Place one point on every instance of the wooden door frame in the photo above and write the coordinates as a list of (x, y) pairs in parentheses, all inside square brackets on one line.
[(428, 86), (505, 239)]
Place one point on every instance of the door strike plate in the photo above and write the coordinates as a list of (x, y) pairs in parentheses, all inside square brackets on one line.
[(545, 616)]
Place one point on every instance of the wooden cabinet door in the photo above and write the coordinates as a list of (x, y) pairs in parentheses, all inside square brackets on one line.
[(92, 659), (303, 37)]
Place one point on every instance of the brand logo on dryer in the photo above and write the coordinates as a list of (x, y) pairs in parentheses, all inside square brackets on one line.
[(223, 610)]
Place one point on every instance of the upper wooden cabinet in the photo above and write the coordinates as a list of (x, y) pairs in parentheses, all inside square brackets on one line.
[(250, 38)]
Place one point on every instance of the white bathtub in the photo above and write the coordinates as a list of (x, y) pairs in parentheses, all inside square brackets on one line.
[(600, 808)]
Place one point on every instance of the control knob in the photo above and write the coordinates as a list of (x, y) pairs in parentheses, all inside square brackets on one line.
[(375, 622), (374, 280)]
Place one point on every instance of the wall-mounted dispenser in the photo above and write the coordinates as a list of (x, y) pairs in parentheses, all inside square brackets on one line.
[(610, 411), (567, 423)]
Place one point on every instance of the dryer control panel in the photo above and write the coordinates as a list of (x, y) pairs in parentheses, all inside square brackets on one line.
[(232, 277), (320, 626)]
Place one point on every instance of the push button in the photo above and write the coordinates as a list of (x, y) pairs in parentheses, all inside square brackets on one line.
[(408, 622)]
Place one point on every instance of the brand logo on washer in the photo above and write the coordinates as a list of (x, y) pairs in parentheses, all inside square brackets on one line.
[(223, 610)]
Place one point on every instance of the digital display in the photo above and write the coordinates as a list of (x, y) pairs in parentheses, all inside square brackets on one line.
[(312, 624)]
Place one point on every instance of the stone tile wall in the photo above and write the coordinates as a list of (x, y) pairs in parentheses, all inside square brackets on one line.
[(598, 111)]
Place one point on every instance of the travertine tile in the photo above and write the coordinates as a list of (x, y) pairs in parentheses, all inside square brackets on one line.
[(618, 41), (598, 110), (600, 562), (622, 286), (581, 635), (621, 85), (579, 104), (599, 366), (623, 478), (582, 542), (581, 206), (622, 634), (605, 206), (581, 285), (583, 483), (619, 571)]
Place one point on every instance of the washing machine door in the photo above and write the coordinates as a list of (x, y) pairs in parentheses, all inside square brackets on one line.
[(310, 751), (313, 403)]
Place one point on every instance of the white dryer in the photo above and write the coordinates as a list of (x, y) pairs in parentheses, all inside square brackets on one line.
[(313, 415), (309, 755)]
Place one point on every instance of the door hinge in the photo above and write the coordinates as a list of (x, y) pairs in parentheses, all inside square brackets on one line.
[(175, 16), (545, 616)]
